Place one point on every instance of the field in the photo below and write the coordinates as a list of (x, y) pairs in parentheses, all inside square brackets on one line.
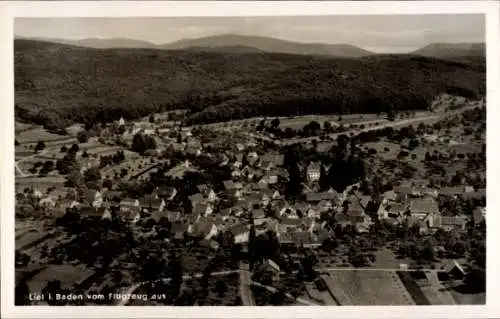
[(370, 287), (68, 275), (26, 239), (133, 166), (40, 183), (38, 134)]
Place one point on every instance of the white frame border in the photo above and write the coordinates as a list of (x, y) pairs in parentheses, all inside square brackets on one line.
[(11, 9)]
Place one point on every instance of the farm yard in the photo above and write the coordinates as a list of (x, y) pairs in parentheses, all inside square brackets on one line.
[(369, 287)]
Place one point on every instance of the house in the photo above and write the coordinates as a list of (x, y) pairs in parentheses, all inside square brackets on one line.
[(121, 121), (178, 230), (270, 160), (286, 239), (258, 214), (166, 192), (229, 185), (93, 198), (451, 191), (448, 223), (454, 270), (128, 203), (112, 196), (202, 209), (389, 197), (302, 239), (240, 233), (272, 268), (196, 199), (152, 204), (204, 228), (415, 221), (252, 158), (288, 224), (47, 202), (479, 215), (422, 207), (393, 210), (324, 196), (105, 213), (404, 191), (67, 203), (313, 172)]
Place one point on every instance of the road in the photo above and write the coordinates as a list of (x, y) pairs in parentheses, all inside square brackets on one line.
[(397, 123), (24, 159), (245, 282)]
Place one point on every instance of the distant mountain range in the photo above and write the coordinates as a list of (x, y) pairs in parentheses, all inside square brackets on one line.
[(253, 44), (452, 50)]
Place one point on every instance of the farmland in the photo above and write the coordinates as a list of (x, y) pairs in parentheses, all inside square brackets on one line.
[(363, 288)]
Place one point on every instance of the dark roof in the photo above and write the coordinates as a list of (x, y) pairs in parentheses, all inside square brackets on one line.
[(258, 213), (196, 197), (291, 221), (178, 227), (200, 209), (238, 229), (275, 159), (426, 205), (301, 238), (355, 208), (314, 166), (317, 197), (229, 185), (203, 188), (452, 220), (451, 191)]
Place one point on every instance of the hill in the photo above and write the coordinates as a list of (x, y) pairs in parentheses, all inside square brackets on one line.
[(57, 85), (452, 50), (269, 44)]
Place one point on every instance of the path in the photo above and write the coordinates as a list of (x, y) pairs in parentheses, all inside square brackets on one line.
[(245, 282), (24, 159)]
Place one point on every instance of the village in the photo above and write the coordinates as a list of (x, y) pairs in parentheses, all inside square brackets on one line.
[(223, 215)]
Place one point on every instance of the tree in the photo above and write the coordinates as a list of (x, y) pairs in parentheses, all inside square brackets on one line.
[(141, 143), (40, 146), (221, 288), (92, 175), (74, 149), (275, 123), (64, 149), (327, 127), (16, 142), (82, 137), (324, 183), (22, 293), (152, 118), (252, 247)]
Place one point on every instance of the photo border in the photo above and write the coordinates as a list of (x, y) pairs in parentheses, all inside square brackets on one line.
[(10, 10)]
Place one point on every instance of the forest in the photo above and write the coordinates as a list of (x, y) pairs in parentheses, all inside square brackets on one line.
[(57, 85)]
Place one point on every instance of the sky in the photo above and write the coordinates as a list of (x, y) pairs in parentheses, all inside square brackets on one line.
[(381, 34)]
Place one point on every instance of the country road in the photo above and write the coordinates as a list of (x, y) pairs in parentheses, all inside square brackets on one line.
[(245, 282), (397, 123), (24, 159)]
